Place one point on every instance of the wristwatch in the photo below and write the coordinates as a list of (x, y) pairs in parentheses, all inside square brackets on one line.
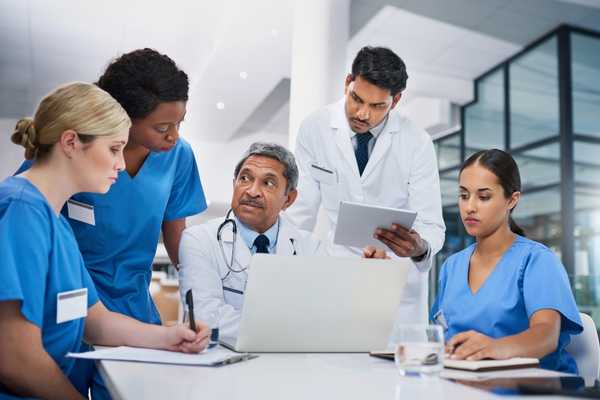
[(424, 255)]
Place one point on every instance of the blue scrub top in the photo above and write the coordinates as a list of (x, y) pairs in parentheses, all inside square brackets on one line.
[(39, 259), (528, 278), (118, 251)]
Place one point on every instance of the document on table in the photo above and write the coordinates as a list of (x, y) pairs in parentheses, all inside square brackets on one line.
[(211, 358)]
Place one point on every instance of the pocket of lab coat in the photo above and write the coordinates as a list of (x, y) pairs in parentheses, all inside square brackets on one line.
[(331, 196), (323, 174), (233, 297)]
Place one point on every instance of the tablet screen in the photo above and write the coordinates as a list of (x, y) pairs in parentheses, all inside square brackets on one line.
[(357, 223)]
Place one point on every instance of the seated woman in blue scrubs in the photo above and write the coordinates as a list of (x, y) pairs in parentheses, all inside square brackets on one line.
[(48, 302), (504, 296)]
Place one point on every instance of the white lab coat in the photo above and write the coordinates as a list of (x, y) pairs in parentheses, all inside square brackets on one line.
[(401, 172), (202, 267)]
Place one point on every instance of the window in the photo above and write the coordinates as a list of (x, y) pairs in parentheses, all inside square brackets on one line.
[(484, 120), (586, 280), (539, 166), (534, 95), (448, 151), (449, 188), (587, 162), (586, 84), (538, 214)]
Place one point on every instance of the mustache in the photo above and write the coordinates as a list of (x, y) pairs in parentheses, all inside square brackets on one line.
[(362, 121), (252, 202)]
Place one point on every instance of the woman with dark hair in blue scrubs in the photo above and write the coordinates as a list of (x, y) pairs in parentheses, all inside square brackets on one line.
[(159, 187), (504, 296), (48, 302)]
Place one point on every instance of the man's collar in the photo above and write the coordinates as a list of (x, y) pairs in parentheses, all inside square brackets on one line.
[(249, 235), (376, 130)]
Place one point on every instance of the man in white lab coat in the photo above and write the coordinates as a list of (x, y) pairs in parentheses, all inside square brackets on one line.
[(359, 149), (264, 184)]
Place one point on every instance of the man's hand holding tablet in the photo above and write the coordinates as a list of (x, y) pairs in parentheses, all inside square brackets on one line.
[(403, 242)]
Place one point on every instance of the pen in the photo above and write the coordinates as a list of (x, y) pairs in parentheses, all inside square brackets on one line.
[(189, 299)]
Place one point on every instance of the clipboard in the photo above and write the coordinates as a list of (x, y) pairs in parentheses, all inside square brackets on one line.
[(216, 357)]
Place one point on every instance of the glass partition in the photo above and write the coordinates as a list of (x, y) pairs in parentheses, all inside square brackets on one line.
[(448, 151), (539, 166), (587, 162), (538, 214), (484, 119), (449, 188), (586, 84), (534, 95)]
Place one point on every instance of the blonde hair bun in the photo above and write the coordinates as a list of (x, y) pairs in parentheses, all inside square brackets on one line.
[(25, 135)]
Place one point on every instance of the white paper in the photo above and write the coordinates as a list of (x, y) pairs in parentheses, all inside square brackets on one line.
[(356, 223), (212, 357), (71, 305)]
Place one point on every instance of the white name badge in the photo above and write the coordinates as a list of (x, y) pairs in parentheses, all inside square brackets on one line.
[(71, 305), (323, 174), (81, 212)]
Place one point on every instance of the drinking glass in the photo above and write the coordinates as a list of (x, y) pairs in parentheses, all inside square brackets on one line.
[(418, 349)]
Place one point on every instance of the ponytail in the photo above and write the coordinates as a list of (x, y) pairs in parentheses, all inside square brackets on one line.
[(514, 227)]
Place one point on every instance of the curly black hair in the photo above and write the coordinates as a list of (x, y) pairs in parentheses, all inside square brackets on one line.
[(142, 79)]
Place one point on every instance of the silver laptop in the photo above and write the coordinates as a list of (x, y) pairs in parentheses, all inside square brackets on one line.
[(319, 304)]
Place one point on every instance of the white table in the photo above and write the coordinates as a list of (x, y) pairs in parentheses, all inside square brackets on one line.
[(283, 376)]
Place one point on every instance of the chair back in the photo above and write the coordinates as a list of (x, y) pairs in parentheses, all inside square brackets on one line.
[(585, 348)]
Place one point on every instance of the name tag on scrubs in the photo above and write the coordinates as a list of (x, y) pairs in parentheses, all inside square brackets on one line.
[(323, 174), (71, 305), (81, 212)]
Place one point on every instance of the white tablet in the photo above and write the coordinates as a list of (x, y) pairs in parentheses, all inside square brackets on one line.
[(357, 222)]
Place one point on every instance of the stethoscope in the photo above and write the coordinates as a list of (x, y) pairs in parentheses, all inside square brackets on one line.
[(230, 263)]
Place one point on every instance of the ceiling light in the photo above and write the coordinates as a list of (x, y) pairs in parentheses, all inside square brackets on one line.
[(243, 75), (220, 105)]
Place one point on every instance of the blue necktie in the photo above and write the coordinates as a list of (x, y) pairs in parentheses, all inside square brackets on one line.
[(262, 244), (362, 150)]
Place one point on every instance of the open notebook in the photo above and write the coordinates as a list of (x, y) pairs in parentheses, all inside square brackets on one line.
[(491, 365), (475, 366)]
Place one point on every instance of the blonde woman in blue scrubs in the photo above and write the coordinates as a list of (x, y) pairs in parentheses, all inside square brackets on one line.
[(504, 296), (48, 302)]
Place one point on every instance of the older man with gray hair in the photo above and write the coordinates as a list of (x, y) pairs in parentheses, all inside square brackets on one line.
[(214, 257)]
